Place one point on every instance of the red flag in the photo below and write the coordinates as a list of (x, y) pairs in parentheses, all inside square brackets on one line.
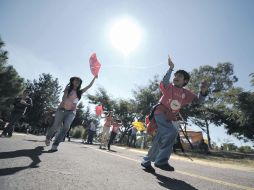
[(98, 110), (94, 64)]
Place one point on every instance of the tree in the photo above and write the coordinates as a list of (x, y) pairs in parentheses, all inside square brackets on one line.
[(82, 117), (221, 79), (122, 109), (229, 146), (239, 119), (3, 53), (88, 117), (252, 79), (125, 111), (146, 97), (11, 84), (245, 149), (101, 97), (246, 119), (45, 96)]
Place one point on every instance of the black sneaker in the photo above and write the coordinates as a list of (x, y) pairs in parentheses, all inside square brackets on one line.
[(165, 167), (148, 168)]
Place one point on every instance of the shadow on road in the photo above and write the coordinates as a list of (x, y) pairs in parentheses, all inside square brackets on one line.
[(83, 147), (34, 140), (173, 184), (112, 150), (33, 154)]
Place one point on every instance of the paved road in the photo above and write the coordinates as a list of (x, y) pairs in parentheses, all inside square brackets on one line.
[(25, 163)]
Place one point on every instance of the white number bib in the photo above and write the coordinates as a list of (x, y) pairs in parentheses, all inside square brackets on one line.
[(175, 105)]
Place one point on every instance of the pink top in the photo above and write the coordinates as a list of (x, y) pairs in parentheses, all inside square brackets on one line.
[(174, 98), (115, 127), (108, 121), (69, 102)]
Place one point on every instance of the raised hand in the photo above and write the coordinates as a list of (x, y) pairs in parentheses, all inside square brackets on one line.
[(170, 63)]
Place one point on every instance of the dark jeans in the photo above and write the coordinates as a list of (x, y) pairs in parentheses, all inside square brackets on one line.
[(128, 139), (68, 135), (90, 136), (112, 137), (133, 139), (15, 116)]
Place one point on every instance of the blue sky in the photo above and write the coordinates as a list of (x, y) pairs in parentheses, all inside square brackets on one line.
[(58, 36)]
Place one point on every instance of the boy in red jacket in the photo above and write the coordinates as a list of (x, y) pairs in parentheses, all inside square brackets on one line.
[(174, 96)]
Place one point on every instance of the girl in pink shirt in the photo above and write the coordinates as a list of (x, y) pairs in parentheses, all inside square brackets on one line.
[(106, 129), (66, 111), (115, 127)]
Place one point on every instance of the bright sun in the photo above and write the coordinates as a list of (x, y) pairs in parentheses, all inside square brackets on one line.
[(125, 35)]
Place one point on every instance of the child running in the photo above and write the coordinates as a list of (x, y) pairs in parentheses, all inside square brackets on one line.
[(115, 127), (174, 96), (106, 128), (66, 111)]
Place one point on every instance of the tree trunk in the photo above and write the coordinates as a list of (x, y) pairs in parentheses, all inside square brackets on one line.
[(186, 135), (208, 134)]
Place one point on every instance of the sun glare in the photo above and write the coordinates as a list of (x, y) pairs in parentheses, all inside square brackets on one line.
[(125, 35)]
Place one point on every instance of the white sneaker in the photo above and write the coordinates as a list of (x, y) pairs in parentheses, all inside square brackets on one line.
[(54, 148), (47, 142)]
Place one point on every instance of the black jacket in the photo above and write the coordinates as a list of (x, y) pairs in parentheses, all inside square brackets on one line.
[(19, 107)]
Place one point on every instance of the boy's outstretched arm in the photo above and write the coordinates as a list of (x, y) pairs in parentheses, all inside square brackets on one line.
[(166, 78)]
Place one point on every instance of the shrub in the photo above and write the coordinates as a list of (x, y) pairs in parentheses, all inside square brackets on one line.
[(77, 132)]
